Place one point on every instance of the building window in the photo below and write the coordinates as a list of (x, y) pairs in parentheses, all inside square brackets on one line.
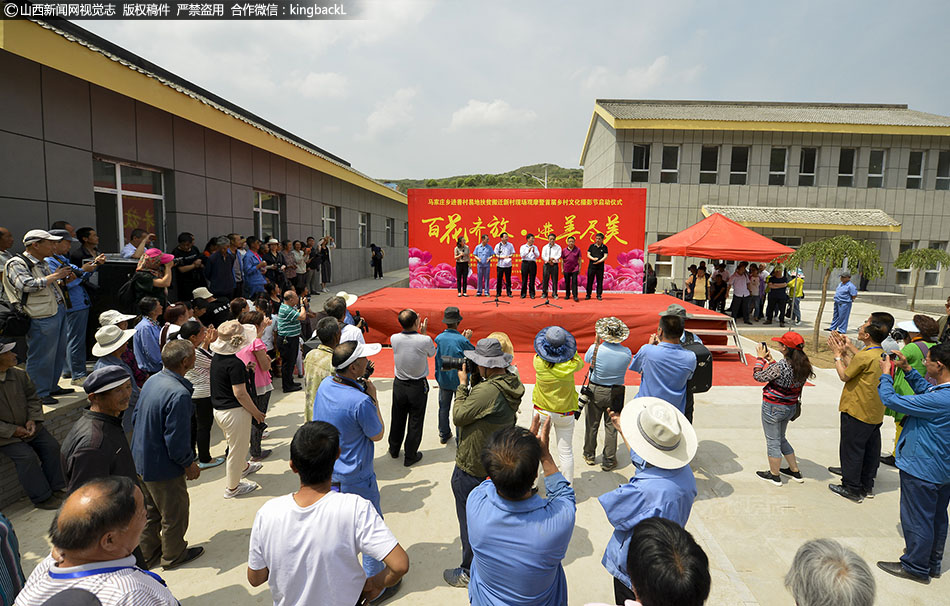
[(641, 164), (790, 241), (846, 167), (807, 166), (932, 275), (903, 275), (915, 170), (663, 265), (330, 224), (709, 164), (266, 215), (390, 232), (669, 170), (127, 197), (739, 166), (876, 168), (777, 166), (405, 234), (364, 229), (943, 170)]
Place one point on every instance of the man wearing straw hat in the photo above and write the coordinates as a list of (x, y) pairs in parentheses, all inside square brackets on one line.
[(661, 443), (607, 372)]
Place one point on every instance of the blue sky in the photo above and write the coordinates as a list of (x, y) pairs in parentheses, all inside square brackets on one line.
[(430, 89)]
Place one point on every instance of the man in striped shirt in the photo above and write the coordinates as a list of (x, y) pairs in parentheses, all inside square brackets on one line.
[(93, 536), (292, 312)]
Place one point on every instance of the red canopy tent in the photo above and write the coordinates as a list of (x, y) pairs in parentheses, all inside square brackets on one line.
[(717, 237)]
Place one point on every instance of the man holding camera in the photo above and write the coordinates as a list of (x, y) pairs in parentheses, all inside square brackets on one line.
[(663, 363), (490, 405), (449, 345), (411, 350), (292, 312), (348, 401), (608, 364)]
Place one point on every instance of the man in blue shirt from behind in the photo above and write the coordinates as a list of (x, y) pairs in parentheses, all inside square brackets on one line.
[(661, 443), (606, 382), (161, 448), (450, 344), (518, 538), (348, 401), (664, 365)]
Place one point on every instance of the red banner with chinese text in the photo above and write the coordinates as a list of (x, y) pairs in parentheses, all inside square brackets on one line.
[(437, 217)]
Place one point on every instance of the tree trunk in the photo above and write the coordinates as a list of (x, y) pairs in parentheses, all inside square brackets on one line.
[(913, 298), (821, 307)]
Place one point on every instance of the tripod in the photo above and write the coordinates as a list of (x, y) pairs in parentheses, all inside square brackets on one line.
[(547, 302), (496, 301)]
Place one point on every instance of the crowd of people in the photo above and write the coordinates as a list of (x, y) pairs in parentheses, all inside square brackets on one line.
[(119, 481)]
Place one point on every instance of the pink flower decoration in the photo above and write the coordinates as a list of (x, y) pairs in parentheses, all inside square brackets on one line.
[(444, 279)]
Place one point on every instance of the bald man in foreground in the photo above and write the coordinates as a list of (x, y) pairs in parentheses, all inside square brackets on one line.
[(93, 536)]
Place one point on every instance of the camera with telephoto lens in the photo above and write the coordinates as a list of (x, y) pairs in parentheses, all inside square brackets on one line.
[(470, 368), (584, 398), (900, 334)]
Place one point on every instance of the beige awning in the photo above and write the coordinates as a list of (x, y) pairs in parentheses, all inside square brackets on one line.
[(790, 217)]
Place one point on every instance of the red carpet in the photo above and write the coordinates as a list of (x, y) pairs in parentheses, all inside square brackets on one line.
[(520, 319), (728, 371)]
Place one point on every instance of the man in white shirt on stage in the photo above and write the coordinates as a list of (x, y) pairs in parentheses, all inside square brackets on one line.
[(551, 256), (529, 266), (504, 250)]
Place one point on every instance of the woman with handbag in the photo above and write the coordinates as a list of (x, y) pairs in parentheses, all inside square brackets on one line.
[(554, 393), (781, 401)]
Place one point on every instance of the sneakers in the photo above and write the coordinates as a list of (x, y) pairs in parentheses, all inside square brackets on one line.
[(78, 381), (264, 454), (445, 439), (608, 465), (768, 477), (843, 491), (212, 463), (590, 460), (795, 475), (186, 556), (456, 577), (897, 569), (868, 494), (252, 467), (242, 489)]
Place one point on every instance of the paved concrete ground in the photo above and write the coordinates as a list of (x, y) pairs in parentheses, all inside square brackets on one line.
[(749, 529)]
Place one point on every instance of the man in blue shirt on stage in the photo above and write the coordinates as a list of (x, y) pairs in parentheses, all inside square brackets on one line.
[(348, 401), (483, 252), (518, 538), (450, 344), (661, 443), (664, 365)]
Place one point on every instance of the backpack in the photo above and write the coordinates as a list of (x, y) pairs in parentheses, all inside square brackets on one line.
[(14, 321), (702, 378), (125, 297)]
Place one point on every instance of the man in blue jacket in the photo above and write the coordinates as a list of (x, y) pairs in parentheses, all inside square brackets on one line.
[(450, 343), (923, 457), (161, 448)]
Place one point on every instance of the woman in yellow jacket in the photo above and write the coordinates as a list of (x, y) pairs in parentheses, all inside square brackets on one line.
[(554, 392)]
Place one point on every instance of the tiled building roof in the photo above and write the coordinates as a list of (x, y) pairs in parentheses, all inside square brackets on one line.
[(854, 218)]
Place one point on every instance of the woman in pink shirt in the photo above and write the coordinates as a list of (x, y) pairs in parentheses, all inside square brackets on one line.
[(255, 356)]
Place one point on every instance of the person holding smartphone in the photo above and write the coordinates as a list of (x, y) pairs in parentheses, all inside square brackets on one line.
[(608, 361)]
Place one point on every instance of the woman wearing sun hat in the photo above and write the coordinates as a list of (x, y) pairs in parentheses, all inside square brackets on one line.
[(234, 407), (554, 392), (780, 397), (607, 372)]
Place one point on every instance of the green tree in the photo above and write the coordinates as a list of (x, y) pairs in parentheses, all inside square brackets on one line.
[(830, 253), (432, 183), (918, 260)]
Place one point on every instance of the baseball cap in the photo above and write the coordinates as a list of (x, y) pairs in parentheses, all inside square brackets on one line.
[(63, 234), (35, 235), (792, 340), (163, 258)]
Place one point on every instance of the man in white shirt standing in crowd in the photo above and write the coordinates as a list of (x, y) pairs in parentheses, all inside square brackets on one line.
[(551, 255), (94, 534), (307, 544), (504, 250), (335, 307), (529, 266), (741, 296), (411, 350)]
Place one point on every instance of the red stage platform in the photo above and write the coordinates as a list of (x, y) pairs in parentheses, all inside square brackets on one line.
[(521, 319)]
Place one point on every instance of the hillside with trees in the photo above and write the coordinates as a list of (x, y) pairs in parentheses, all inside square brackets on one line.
[(515, 179)]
